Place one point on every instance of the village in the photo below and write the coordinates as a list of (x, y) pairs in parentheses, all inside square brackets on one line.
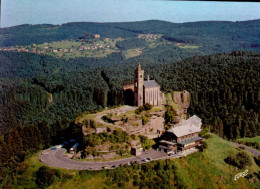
[(97, 47), (70, 48), (156, 127)]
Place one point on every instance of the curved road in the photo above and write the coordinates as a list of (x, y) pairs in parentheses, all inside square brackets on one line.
[(247, 148), (57, 158)]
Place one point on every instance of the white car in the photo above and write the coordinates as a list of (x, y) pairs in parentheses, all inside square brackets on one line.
[(59, 146)]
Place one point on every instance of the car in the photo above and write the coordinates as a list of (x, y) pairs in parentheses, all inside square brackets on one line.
[(113, 166), (54, 148), (104, 167), (128, 163), (149, 158), (145, 160), (59, 146), (171, 154), (137, 162)]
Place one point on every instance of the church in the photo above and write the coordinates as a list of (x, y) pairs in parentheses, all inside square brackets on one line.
[(146, 91)]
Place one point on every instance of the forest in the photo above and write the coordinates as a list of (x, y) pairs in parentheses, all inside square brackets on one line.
[(224, 89), (243, 34)]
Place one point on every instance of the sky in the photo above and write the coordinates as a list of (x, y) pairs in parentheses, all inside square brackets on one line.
[(16, 12)]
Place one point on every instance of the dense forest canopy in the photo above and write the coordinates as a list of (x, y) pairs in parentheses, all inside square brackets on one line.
[(224, 89), (57, 87)]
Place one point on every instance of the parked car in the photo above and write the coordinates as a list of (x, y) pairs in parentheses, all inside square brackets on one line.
[(171, 154), (114, 166), (149, 158), (104, 167), (54, 148), (59, 146)]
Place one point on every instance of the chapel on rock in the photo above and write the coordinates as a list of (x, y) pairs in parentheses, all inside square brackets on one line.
[(146, 91)]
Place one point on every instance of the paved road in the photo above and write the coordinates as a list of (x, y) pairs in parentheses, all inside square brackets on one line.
[(249, 149), (57, 158)]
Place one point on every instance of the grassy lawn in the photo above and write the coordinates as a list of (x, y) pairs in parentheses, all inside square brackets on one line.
[(132, 52), (61, 44), (82, 182), (208, 169), (254, 139)]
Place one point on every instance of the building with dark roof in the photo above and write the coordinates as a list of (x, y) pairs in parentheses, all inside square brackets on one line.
[(146, 91)]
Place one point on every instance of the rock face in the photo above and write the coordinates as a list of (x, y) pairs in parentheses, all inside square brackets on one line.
[(50, 98), (182, 98)]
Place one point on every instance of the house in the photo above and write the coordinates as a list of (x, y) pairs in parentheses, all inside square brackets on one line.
[(145, 91), (80, 48), (168, 147), (183, 136), (96, 36)]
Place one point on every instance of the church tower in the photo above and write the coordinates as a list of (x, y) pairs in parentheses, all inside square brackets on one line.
[(139, 86)]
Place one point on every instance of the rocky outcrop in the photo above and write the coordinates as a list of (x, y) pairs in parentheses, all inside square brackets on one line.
[(182, 98), (50, 98)]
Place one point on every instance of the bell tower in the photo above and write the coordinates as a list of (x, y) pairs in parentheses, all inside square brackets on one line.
[(139, 86)]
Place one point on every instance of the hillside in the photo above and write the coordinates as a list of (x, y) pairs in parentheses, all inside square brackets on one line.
[(200, 170), (223, 89), (218, 35)]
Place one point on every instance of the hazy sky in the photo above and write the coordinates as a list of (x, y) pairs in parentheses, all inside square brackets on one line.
[(16, 12)]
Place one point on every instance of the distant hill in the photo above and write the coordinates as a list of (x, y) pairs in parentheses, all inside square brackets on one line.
[(217, 34)]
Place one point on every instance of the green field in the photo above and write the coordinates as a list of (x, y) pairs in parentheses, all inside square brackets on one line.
[(132, 52), (254, 139), (208, 169)]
